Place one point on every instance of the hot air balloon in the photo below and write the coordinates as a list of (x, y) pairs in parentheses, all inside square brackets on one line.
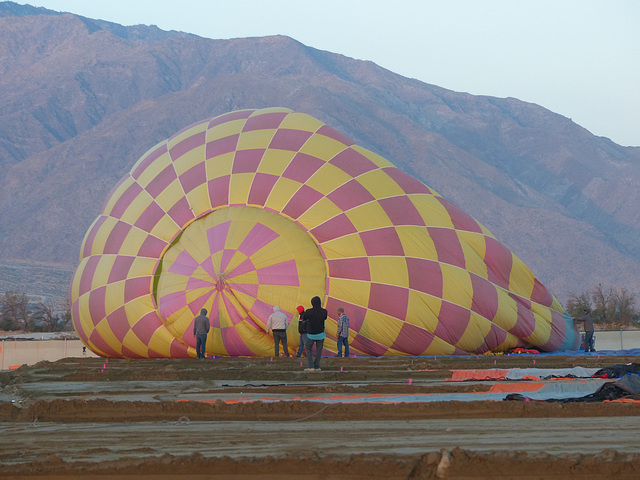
[(257, 208)]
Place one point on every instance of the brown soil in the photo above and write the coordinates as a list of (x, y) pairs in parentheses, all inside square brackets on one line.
[(166, 418)]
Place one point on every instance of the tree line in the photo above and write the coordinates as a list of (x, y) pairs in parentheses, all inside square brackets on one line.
[(17, 314), (610, 306)]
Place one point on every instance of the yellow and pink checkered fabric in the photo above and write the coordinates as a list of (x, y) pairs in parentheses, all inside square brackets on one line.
[(257, 208)]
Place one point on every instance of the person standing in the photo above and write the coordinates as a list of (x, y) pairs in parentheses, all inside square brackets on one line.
[(278, 323), (588, 330), (200, 330), (302, 330), (315, 317), (343, 333)]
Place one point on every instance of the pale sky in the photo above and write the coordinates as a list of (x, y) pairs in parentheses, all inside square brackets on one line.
[(578, 58)]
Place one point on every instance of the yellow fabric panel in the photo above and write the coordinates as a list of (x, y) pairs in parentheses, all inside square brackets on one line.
[(85, 319), (457, 287), (348, 246), (507, 313), (423, 310), (274, 162), (381, 328), (100, 239), (474, 248), (179, 322), (475, 333), (374, 157), (133, 241), (239, 188), (198, 199), (327, 179), (255, 139), (324, 148), (416, 242), (351, 291), (318, 213), (74, 289), (432, 211), (214, 345), (369, 216), (104, 330), (142, 267), (389, 270), (521, 280), (166, 229), (138, 308), (283, 295), (136, 208), (170, 195), (557, 306), (128, 181), (187, 133), (157, 166), (134, 344), (226, 129), (281, 193), (189, 160), (86, 237), (439, 347), (377, 182), (102, 271), (219, 166), (301, 121), (161, 342), (542, 330), (114, 297)]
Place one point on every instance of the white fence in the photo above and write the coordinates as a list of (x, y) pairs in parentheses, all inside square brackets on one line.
[(617, 339), (29, 352)]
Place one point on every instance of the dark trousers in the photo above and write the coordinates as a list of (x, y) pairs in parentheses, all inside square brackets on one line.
[(343, 341), (201, 343), (588, 342), (314, 362), (303, 344), (280, 336)]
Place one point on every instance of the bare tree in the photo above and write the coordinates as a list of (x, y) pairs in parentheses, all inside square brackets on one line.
[(14, 311), (625, 306), (603, 304), (577, 304)]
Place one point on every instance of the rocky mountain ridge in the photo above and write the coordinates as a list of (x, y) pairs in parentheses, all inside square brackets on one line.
[(83, 99)]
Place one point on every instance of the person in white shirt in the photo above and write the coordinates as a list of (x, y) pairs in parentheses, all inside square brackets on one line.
[(278, 323)]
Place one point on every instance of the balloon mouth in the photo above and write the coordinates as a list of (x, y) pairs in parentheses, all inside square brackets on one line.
[(237, 262)]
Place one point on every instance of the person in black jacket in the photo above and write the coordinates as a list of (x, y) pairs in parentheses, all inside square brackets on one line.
[(315, 317), (302, 330)]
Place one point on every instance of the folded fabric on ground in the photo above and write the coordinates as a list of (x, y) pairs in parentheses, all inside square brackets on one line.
[(617, 371), (536, 390), (522, 374), (627, 387)]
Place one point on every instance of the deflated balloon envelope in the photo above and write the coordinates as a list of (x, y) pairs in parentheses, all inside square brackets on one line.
[(257, 208)]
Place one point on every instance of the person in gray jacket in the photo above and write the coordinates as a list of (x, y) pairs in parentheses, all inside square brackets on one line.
[(200, 330), (588, 330)]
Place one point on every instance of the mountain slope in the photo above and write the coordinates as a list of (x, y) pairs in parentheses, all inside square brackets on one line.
[(82, 100)]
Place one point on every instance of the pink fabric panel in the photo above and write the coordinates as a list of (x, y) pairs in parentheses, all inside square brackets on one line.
[(259, 236), (285, 273)]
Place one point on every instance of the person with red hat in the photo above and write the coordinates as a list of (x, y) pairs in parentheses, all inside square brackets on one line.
[(302, 330)]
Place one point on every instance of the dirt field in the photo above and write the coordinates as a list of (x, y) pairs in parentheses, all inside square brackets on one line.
[(268, 419)]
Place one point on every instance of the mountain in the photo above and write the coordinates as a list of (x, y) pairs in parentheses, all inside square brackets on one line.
[(83, 99)]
